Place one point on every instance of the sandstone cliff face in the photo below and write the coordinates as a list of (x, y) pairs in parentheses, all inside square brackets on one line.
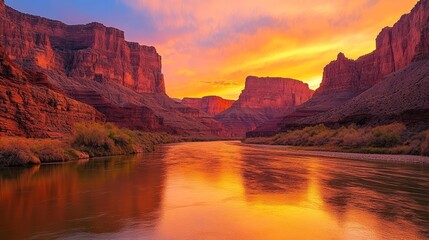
[(402, 96), (91, 52), (261, 100), (344, 79), (95, 65), (211, 105), (396, 48), (33, 111)]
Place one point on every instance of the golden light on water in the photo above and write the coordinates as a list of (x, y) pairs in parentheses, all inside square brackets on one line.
[(228, 191)]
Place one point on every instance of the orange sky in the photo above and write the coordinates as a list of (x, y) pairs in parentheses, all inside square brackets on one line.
[(209, 47)]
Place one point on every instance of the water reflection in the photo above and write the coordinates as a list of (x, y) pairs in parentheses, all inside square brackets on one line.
[(216, 190), (99, 196)]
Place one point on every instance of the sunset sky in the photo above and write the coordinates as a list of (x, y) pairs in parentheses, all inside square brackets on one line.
[(209, 47)]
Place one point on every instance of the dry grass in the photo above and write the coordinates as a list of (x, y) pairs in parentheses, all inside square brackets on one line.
[(107, 139), (393, 139), (87, 140), (16, 152)]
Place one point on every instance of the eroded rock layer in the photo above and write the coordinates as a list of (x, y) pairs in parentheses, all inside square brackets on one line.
[(345, 79), (95, 65), (261, 100), (27, 109), (211, 105)]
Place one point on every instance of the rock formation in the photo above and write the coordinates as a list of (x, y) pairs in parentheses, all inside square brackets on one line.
[(402, 96), (27, 109), (261, 100), (87, 52), (211, 105), (396, 48), (95, 65), (344, 79)]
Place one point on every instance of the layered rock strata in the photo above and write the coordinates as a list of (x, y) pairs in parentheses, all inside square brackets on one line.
[(344, 79), (212, 105), (95, 65), (28, 109), (261, 100)]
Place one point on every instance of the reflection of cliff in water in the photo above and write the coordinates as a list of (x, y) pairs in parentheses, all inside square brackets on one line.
[(97, 196), (395, 193), (273, 179)]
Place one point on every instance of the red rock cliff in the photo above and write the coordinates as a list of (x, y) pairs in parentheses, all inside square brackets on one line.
[(87, 52), (95, 65), (211, 105), (345, 79), (261, 100), (27, 109), (396, 48), (273, 93)]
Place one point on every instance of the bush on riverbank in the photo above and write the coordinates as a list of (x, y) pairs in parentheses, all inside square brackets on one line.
[(107, 139), (16, 152), (393, 138), (87, 140)]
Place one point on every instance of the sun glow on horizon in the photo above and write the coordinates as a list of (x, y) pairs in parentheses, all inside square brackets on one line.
[(210, 47), (210, 52)]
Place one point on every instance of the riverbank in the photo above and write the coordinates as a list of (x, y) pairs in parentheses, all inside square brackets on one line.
[(88, 140), (393, 139), (319, 152)]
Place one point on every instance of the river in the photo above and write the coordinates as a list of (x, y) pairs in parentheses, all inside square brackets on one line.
[(216, 190)]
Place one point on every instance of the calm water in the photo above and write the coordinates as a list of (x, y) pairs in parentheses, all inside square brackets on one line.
[(219, 190)]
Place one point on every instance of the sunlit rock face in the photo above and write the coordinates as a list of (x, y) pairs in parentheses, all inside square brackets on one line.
[(94, 64), (90, 52), (261, 100), (396, 48), (344, 79), (211, 105), (27, 108)]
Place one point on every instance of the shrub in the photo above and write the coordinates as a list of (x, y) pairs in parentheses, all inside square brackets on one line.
[(48, 150), (16, 152), (424, 145), (93, 135), (387, 136), (107, 139), (351, 137), (392, 138)]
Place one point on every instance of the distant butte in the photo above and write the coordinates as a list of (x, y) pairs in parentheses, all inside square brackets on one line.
[(261, 100), (212, 105), (365, 90)]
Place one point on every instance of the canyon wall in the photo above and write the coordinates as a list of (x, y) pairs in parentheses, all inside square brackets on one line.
[(95, 65), (90, 52), (396, 48), (344, 79), (261, 100), (211, 105), (27, 109)]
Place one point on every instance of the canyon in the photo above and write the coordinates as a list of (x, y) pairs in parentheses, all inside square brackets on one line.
[(367, 89), (93, 64), (212, 105), (27, 109), (261, 100), (54, 75)]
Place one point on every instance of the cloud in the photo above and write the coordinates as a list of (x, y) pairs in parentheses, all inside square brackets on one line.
[(221, 83), (204, 41)]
